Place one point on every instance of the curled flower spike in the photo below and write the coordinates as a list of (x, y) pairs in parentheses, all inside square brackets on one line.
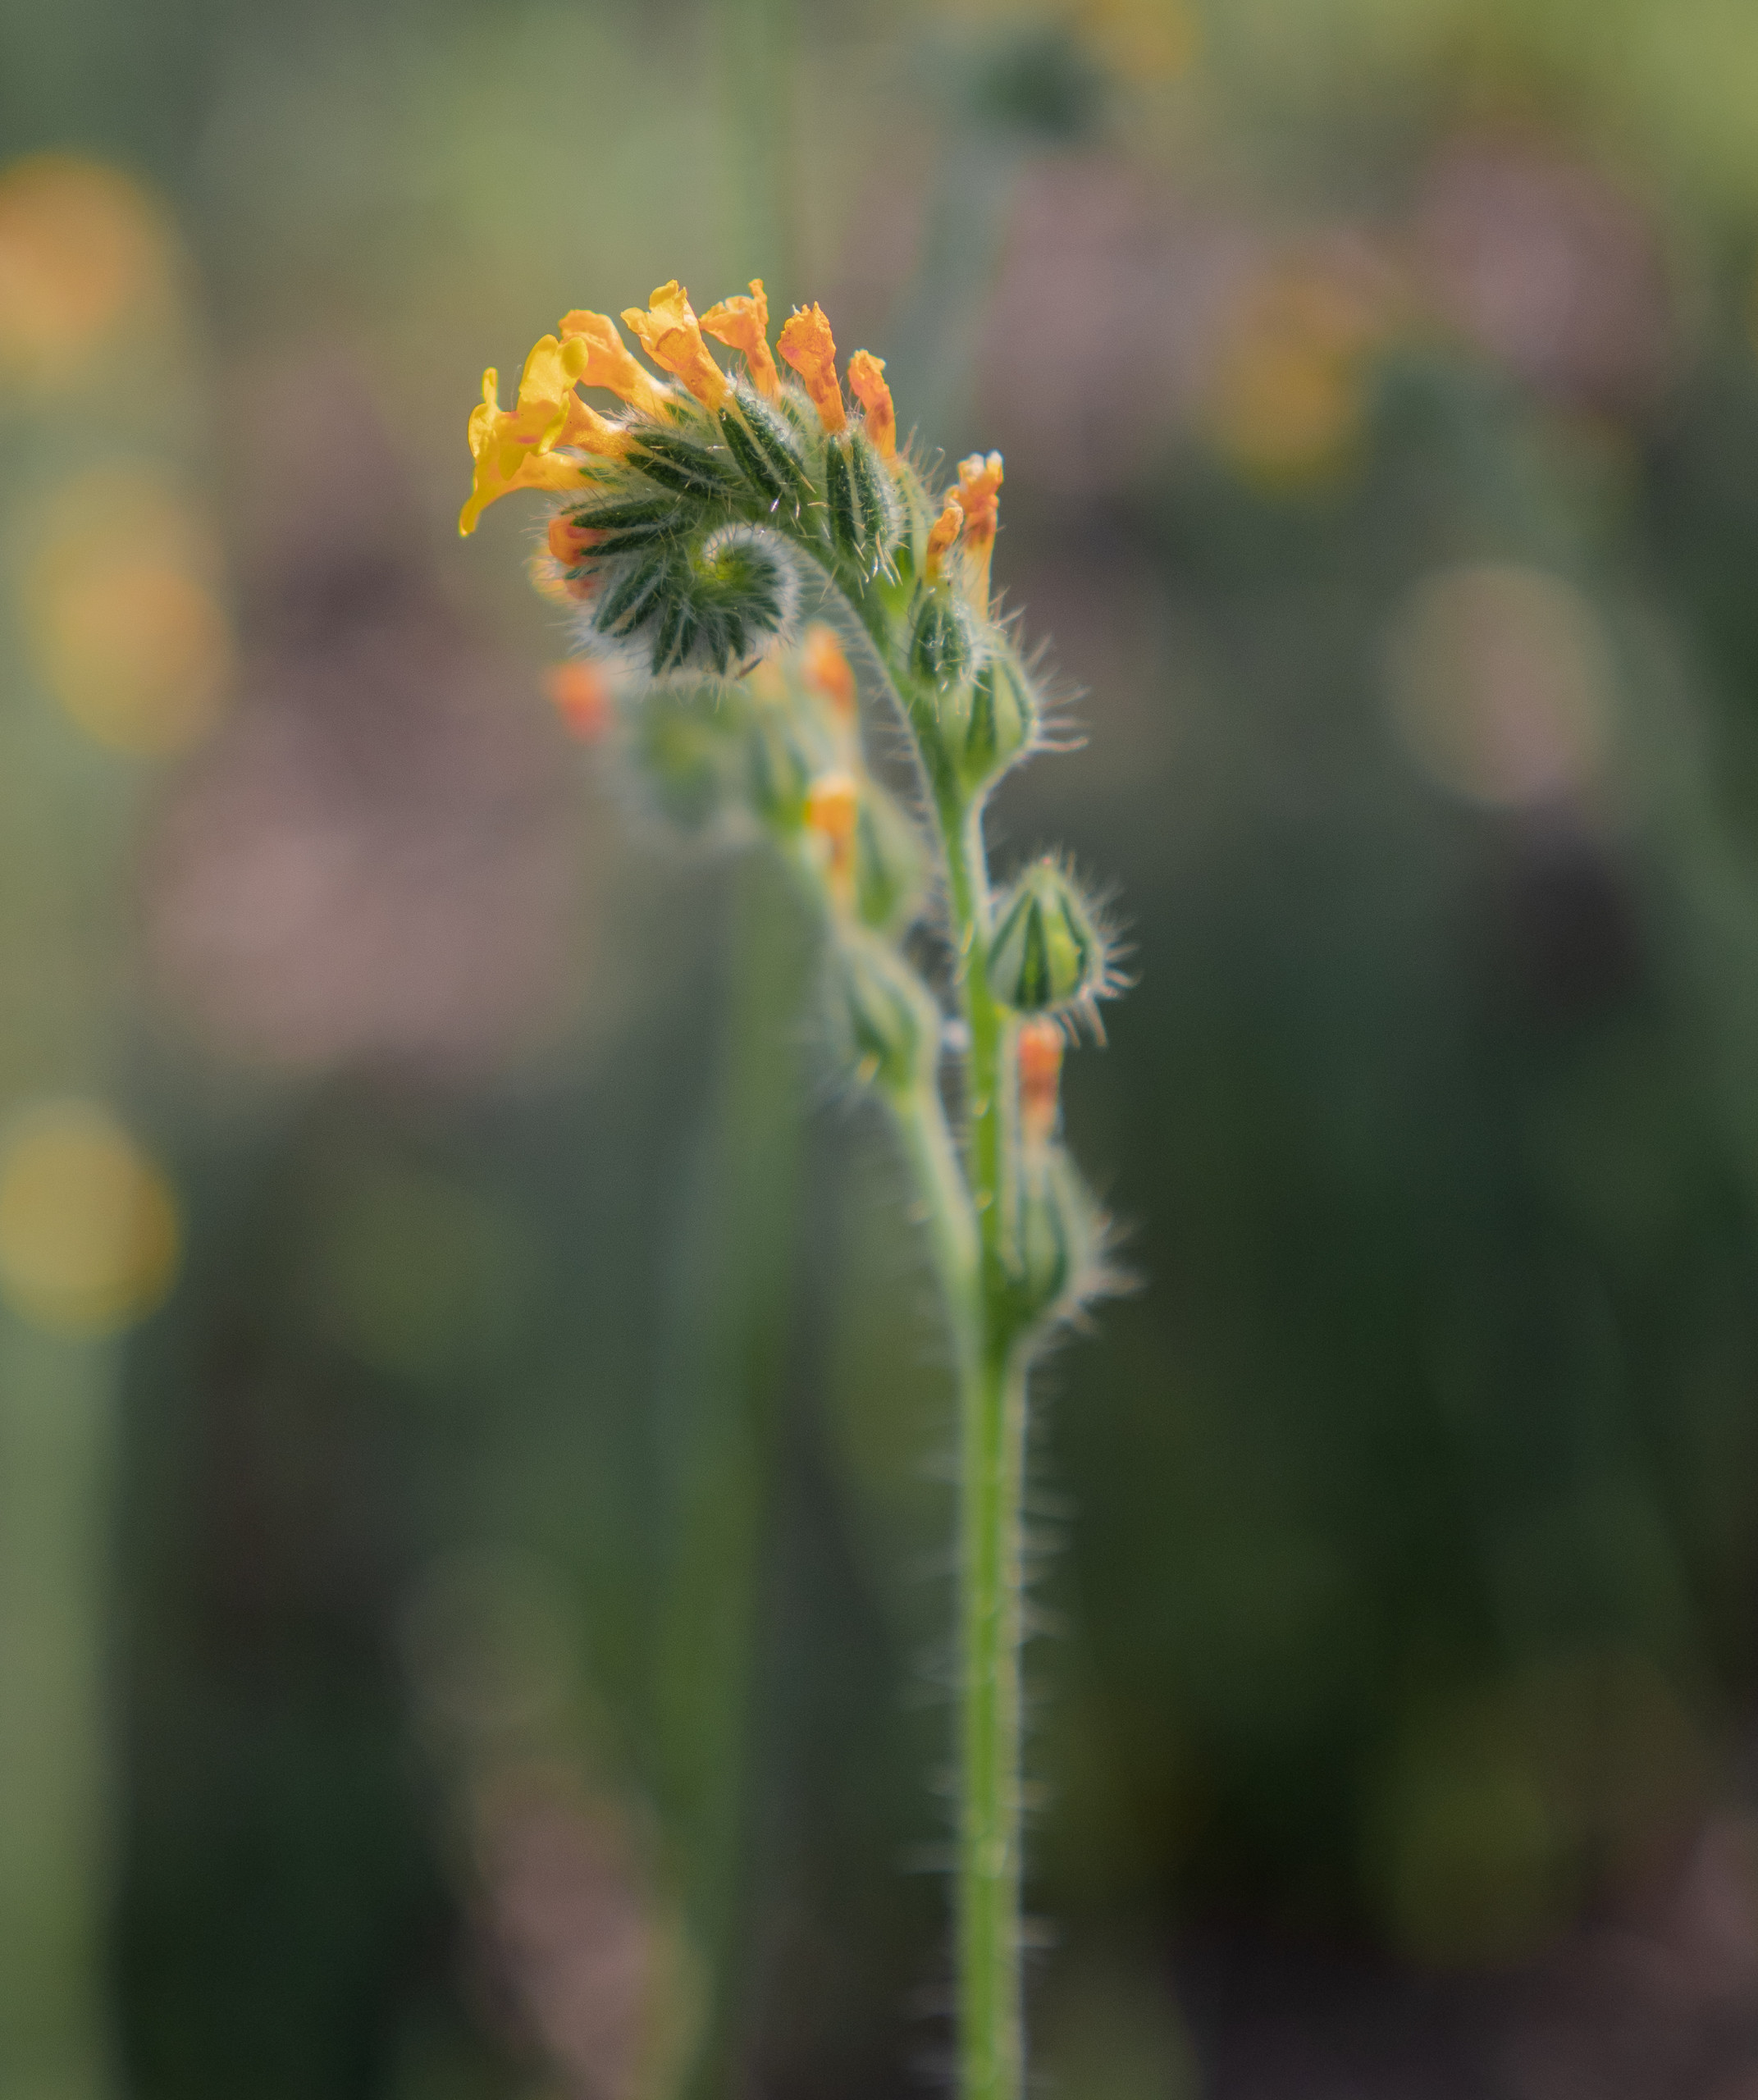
[(827, 671), (515, 448), (866, 383), (979, 487), (1040, 1062), (941, 534), (596, 355), (832, 808), (672, 336), (808, 345), (743, 324)]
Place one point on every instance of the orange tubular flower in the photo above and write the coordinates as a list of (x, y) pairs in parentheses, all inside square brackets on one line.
[(580, 693), (866, 383), (571, 543), (832, 807), (595, 355), (941, 534), (826, 670), (808, 345), (978, 485), (672, 336), (743, 324), (1040, 1055), (515, 448)]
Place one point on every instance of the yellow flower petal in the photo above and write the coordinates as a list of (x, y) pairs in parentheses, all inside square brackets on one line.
[(596, 355), (672, 336)]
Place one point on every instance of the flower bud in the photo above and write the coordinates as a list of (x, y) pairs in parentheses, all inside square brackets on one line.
[(893, 1029), (1047, 953), (997, 723), (686, 744), (780, 770), (860, 504), (942, 639), (1060, 1238), (889, 864)]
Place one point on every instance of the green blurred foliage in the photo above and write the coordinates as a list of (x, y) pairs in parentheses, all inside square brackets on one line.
[(1398, 1530)]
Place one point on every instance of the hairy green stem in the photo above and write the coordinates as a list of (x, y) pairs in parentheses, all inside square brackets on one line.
[(992, 1450), (977, 1205)]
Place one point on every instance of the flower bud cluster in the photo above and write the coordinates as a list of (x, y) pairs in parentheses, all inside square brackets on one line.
[(696, 516)]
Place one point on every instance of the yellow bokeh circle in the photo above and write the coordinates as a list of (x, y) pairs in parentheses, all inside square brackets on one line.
[(81, 247), (88, 1229), (127, 631)]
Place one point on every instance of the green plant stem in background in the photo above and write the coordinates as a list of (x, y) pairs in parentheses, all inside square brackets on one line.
[(58, 1427), (729, 1380)]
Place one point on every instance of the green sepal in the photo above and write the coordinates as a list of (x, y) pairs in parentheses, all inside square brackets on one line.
[(766, 448), (679, 463), (631, 598)]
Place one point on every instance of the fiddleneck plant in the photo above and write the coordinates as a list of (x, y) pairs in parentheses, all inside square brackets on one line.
[(694, 526)]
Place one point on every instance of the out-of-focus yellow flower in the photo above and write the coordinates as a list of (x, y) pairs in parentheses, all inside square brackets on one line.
[(808, 345), (119, 606), (596, 355), (743, 324), (81, 248), (941, 534), (89, 1232), (515, 448), (977, 495), (1290, 389), (866, 382), (672, 336), (1143, 40)]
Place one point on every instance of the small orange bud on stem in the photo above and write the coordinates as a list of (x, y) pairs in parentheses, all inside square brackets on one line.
[(1040, 1063)]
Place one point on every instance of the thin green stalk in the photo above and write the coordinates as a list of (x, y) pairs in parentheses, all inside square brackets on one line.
[(992, 1417), (991, 1440), (991, 1374)]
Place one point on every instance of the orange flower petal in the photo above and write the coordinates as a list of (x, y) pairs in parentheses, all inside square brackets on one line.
[(866, 383), (808, 345), (743, 324)]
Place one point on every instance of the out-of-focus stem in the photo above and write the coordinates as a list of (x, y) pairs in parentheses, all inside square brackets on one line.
[(737, 1329), (57, 1422)]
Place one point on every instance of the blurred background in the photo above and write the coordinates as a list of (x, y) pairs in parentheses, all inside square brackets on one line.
[(472, 1508)]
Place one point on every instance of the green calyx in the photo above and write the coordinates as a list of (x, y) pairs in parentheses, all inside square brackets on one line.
[(1046, 953), (892, 1030)]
